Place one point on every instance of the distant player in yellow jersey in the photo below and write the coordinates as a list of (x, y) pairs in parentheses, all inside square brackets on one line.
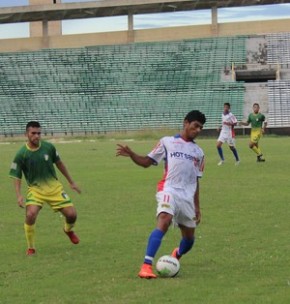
[(258, 125), (36, 161)]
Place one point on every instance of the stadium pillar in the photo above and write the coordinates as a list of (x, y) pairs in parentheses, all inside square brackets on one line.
[(131, 37), (45, 43), (278, 74), (54, 27), (44, 28), (214, 21)]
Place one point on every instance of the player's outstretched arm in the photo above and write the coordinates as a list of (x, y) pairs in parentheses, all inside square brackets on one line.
[(17, 187), (242, 123), (143, 161), (62, 168)]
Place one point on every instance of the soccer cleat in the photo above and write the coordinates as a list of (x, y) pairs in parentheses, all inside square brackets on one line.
[(72, 236), (237, 163), (175, 254), (31, 252), (260, 158), (146, 272), (221, 163)]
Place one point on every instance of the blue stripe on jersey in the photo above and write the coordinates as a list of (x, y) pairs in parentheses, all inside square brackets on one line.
[(165, 158), (179, 136)]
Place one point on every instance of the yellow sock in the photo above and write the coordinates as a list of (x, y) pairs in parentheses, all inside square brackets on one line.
[(257, 150), (68, 227), (29, 233)]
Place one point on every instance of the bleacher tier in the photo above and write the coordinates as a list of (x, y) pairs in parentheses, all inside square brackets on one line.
[(119, 88), (278, 53)]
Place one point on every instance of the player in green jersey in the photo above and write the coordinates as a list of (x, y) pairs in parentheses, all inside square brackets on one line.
[(36, 161), (258, 124)]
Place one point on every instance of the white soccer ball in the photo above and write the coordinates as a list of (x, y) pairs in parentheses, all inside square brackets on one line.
[(167, 266)]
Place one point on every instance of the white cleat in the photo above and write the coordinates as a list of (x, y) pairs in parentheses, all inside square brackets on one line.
[(237, 163), (221, 163)]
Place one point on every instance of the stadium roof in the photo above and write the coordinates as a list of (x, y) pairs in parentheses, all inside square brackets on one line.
[(108, 8)]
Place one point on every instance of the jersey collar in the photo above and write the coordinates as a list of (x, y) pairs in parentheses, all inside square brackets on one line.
[(33, 150), (179, 136)]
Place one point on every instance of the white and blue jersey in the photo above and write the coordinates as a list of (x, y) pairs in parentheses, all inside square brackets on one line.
[(184, 163)]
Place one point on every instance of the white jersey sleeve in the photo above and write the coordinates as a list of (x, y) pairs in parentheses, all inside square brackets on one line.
[(158, 153)]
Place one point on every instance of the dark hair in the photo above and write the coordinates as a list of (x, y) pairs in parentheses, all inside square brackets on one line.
[(195, 115), (256, 104), (227, 104), (33, 124)]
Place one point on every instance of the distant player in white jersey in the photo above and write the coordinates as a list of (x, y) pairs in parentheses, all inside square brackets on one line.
[(178, 191), (227, 134)]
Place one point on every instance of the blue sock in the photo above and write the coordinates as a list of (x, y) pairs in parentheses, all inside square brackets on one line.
[(235, 152), (220, 151), (153, 245), (185, 245)]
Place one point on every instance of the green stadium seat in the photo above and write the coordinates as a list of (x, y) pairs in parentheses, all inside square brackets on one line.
[(122, 87)]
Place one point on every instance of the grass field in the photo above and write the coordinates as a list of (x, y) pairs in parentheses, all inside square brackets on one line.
[(241, 255)]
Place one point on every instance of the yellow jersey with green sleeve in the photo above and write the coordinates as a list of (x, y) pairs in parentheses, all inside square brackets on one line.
[(37, 167), (256, 120)]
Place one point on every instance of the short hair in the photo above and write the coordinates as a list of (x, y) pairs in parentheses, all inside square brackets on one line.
[(195, 115), (227, 104), (33, 124), (256, 104)]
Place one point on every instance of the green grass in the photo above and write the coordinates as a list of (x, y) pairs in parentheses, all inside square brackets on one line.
[(241, 254)]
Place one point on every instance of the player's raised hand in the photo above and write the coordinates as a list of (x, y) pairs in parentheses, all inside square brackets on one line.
[(75, 187), (123, 151)]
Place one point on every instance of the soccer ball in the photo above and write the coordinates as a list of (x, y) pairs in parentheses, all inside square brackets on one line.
[(167, 266)]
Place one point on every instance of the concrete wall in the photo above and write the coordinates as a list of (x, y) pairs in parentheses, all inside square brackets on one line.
[(257, 50), (148, 35)]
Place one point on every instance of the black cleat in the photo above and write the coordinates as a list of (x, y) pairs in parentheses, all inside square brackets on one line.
[(260, 159)]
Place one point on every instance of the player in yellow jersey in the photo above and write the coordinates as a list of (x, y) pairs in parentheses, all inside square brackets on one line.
[(258, 124), (36, 161)]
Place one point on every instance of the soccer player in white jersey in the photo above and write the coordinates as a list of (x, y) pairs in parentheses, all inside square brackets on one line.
[(178, 191), (227, 134)]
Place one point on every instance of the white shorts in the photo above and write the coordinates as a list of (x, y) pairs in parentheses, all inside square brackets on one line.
[(183, 211), (227, 138)]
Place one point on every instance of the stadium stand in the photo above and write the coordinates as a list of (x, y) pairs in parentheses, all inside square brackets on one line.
[(279, 103), (119, 88), (279, 91), (278, 48)]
